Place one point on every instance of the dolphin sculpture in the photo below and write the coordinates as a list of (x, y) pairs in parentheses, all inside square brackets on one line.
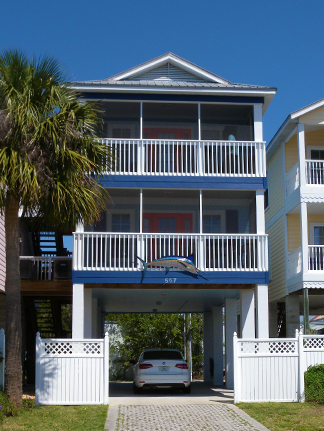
[(179, 262)]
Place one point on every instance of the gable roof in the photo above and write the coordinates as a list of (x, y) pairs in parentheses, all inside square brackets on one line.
[(170, 72), (287, 129), (169, 66)]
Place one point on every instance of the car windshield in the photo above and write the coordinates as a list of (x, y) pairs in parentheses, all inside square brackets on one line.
[(162, 354)]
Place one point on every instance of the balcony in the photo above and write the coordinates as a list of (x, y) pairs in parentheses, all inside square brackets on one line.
[(45, 268), (211, 252), (315, 260), (314, 175), (187, 158)]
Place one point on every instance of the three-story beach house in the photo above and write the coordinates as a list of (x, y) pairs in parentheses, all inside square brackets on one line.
[(295, 220), (188, 180)]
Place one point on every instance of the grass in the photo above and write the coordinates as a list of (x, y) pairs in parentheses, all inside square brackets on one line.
[(287, 416), (57, 418)]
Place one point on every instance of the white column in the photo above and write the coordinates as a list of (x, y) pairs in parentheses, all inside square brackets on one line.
[(141, 212), (247, 313), (141, 120), (292, 315), (199, 122), (208, 346), (304, 235), (260, 219), (258, 126), (218, 345), (230, 328), (201, 263), (94, 318), (262, 311), (87, 313), (301, 154), (78, 311)]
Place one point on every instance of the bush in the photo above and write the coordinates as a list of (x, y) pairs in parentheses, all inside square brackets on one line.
[(314, 384), (6, 407)]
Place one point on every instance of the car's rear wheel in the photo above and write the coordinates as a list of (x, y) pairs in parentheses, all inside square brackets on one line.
[(136, 389), (187, 390)]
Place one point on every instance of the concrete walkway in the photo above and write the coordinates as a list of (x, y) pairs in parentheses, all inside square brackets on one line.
[(206, 408)]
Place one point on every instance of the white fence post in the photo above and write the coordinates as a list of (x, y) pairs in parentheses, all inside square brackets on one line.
[(301, 367), (237, 376), (106, 369), (38, 368)]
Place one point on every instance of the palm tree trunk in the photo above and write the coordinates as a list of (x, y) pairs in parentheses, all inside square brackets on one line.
[(13, 372)]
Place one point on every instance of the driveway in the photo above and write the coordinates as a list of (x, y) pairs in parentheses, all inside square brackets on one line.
[(206, 408)]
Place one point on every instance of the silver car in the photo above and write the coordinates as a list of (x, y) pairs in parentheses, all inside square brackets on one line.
[(162, 368)]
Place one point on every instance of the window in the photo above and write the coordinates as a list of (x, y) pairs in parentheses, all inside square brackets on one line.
[(120, 223), (212, 223)]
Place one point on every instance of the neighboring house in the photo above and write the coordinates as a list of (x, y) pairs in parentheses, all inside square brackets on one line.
[(295, 219), (188, 179)]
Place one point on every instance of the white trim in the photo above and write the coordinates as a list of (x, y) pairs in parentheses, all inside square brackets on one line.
[(176, 61), (307, 109)]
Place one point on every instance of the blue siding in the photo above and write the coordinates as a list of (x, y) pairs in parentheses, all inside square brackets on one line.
[(179, 182), (172, 277)]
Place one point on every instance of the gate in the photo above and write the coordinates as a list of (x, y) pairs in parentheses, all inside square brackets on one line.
[(71, 371)]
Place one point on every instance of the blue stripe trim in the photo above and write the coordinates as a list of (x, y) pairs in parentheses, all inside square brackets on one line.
[(175, 182), (172, 97), (171, 277)]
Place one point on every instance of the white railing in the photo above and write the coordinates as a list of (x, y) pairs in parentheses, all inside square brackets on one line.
[(72, 371), (273, 369), (315, 172), (45, 267), (190, 158), (292, 180), (294, 262), (316, 257), (211, 252)]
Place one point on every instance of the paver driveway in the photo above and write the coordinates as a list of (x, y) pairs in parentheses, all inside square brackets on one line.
[(206, 408)]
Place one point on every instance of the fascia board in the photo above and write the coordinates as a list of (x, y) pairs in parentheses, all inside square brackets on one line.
[(113, 89), (307, 109)]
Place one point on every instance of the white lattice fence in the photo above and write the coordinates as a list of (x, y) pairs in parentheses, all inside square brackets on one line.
[(72, 371), (273, 369)]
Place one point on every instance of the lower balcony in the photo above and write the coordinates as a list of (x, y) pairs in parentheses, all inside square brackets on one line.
[(45, 268), (211, 252), (315, 260)]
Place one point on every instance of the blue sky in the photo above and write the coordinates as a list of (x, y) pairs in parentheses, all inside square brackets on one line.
[(273, 43)]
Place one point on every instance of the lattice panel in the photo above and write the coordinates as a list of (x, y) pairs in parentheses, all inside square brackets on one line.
[(69, 348), (314, 343), (271, 347)]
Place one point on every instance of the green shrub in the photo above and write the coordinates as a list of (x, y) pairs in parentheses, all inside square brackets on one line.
[(314, 384), (6, 407)]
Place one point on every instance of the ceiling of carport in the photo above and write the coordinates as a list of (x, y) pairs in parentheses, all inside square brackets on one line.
[(162, 300)]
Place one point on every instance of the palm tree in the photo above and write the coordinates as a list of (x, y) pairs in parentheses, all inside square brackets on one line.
[(50, 161)]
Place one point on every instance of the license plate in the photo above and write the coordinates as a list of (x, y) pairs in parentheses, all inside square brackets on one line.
[(164, 368)]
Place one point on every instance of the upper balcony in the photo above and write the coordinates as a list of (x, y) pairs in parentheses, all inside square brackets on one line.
[(187, 158), (314, 176), (186, 144)]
